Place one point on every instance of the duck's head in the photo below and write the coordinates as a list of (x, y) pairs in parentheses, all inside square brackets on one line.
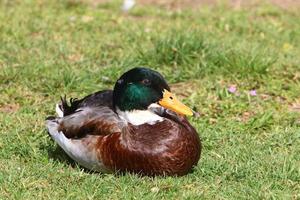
[(141, 88)]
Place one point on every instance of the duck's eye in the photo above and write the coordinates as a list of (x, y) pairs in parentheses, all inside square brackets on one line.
[(120, 81), (146, 82)]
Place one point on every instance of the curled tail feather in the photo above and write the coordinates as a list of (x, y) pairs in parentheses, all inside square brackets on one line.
[(63, 108)]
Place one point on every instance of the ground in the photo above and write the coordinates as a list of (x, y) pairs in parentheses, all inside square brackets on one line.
[(179, 4), (236, 65)]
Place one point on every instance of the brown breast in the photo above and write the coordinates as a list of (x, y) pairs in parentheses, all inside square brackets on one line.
[(166, 148)]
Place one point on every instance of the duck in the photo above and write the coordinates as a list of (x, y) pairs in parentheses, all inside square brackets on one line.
[(138, 127)]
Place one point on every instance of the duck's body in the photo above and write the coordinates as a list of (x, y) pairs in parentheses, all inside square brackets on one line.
[(101, 137)]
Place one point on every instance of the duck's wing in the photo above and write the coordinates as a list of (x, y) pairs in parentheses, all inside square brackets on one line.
[(85, 121), (79, 134), (91, 115), (98, 99)]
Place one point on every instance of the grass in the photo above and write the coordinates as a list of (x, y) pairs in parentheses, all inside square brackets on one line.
[(251, 144)]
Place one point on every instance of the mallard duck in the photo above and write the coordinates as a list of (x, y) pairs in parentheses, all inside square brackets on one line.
[(138, 127)]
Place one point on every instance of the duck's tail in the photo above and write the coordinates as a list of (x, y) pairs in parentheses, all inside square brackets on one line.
[(52, 127), (63, 108)]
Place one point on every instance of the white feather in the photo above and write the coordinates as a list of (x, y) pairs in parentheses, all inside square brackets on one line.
[(59, 112), (127, 5), (138, 117)]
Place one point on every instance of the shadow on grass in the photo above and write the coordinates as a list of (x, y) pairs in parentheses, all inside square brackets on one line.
[(58, 154)]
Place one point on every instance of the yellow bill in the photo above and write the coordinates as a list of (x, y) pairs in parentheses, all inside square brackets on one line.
[(169, 101)]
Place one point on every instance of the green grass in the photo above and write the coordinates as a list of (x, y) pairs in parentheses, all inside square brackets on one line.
[(251, 144)]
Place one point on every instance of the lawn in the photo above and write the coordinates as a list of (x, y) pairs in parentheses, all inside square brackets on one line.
[(212, 57)]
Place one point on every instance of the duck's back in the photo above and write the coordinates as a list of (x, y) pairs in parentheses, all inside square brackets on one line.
[(98, 99)]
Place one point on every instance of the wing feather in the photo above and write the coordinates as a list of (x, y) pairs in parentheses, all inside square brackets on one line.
[(90, 121)]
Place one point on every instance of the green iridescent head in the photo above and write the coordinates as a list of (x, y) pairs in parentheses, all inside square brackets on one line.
[(138, 88)]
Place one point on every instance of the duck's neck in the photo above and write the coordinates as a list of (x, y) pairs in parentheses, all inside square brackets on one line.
[(139, 117)]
